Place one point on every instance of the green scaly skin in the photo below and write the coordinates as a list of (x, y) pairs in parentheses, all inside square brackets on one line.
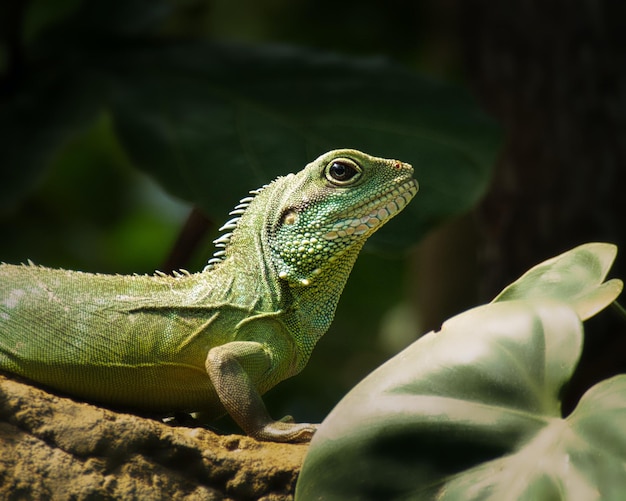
[(213, 341)]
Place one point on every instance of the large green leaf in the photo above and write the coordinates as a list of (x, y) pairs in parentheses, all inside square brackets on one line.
[(210, 121), (473, 411)]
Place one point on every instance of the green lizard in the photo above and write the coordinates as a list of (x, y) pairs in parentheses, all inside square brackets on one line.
[(213, 341)]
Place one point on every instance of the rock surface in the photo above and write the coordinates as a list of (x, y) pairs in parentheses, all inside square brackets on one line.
[(56, 448)]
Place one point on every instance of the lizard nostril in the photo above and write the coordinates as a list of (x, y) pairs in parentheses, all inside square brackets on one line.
[(401, 165)]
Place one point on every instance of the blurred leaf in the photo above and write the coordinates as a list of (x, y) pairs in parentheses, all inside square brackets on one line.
[(473, 412), (34, 125), (43, 14), (102, 21), (212, 121), (64, 87), (93, 212)]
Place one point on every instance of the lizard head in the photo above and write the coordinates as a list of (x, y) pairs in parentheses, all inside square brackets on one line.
[(330, 208)]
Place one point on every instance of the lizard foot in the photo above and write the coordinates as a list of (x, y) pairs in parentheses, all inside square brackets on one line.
[(281, 431)]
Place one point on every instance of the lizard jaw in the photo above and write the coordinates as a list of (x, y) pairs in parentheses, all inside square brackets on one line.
[(379, 210)]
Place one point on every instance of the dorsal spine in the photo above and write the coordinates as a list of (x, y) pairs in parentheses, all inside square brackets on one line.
[(223, 241)]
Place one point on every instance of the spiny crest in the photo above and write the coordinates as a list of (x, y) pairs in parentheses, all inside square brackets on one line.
[(30, 264), (175, 273), (224, 240)]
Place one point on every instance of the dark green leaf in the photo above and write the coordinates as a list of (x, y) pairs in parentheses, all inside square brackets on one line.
[(212, 121)]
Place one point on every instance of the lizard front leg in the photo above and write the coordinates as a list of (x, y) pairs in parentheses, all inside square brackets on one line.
[(232, 368)]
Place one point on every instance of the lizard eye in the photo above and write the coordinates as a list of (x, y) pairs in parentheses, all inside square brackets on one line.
[(342, 172)]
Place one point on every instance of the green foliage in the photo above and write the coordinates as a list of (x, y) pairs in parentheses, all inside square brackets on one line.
[(473, 411), (210, 121)]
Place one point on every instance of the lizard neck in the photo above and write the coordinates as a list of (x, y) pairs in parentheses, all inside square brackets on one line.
[(314, 305), (246, 277)]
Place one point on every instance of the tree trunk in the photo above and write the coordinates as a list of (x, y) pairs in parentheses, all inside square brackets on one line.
[(554, 75)]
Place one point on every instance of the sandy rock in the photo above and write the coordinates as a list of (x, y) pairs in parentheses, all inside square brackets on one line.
[(57, 448)]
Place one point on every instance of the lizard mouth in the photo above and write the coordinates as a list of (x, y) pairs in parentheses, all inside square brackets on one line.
[(370, 215)]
